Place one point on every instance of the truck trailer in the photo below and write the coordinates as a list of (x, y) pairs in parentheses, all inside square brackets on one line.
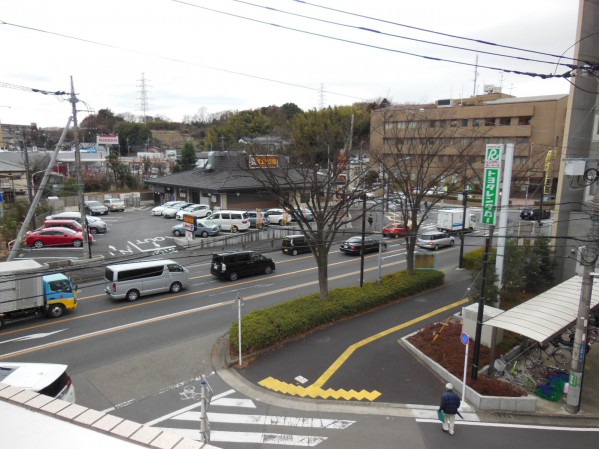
[(450, 220), (25, 290)]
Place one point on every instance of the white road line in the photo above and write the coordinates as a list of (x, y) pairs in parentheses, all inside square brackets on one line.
[(515, 426), (250, 437), (432, 415), (186, 409), (233, 402), (265, 420)]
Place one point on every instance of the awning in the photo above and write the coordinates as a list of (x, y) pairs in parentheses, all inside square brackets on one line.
[(544, 316)]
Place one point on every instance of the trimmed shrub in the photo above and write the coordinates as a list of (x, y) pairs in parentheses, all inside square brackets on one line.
[(265, 328)]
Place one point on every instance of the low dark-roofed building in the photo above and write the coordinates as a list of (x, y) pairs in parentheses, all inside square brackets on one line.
[(224, 181)]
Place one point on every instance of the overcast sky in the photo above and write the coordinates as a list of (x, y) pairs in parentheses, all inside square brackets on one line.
[(208, 56)]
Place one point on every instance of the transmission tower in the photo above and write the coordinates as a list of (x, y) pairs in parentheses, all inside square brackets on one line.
[(321, 96), (143, 98)]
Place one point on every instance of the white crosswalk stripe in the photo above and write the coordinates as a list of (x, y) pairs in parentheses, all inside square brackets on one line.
[(237, 426)]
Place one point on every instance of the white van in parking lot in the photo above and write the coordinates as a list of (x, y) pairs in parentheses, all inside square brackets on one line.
[(231, 220), (132, 280)]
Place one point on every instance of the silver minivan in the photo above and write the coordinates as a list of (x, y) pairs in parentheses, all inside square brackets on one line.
[(132, 280)]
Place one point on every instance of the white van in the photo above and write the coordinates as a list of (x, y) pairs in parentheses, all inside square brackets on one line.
[(132, 280), (231, 220), (49, 379)]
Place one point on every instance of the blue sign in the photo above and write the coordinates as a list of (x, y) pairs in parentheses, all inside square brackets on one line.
[(464, 338), (1, 198)]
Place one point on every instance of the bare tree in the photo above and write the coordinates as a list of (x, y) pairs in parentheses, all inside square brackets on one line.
[(419, 151), (316, 196)]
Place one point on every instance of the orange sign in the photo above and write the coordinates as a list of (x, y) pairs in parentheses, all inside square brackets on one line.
[(264, 161), (189, 219)]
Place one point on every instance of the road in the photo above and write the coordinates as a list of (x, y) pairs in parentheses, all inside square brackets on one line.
[(143, 360)]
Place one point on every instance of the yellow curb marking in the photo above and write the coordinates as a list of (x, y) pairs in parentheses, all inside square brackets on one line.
[(316, 390)]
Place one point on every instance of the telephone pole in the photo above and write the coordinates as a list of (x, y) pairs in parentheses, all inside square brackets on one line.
[(86, 242), (589, 255)]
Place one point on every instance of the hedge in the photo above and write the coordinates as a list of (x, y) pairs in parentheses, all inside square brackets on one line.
[(265, 328)]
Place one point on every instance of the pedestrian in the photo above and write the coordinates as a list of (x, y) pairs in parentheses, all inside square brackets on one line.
[(370, 220), (450, 403)]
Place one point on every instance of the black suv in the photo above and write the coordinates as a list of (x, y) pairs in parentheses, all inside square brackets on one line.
[(295, 244), (533, 214), (232, 265)]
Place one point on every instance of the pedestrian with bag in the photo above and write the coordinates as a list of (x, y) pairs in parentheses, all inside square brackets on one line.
[(450, 403)]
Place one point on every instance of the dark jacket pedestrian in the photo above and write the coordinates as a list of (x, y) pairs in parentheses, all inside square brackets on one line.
[(370, 220), (450, 403)]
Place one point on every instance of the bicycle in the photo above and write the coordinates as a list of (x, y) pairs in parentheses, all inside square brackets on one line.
[(514, 375), (561, 355)]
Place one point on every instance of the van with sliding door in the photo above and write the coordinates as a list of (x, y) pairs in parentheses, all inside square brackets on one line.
[(131, 280)]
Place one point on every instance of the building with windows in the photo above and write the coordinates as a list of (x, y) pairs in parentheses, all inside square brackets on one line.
[(461, 128)]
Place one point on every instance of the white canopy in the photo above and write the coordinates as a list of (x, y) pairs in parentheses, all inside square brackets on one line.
[(543, 316)]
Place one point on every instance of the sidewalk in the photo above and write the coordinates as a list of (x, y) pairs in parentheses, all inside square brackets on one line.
[(380, 366)]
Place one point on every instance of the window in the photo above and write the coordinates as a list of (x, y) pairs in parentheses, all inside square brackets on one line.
[(522, 141), (475, 122), (464, 122), (490, 122), (140, 273), (442, 123), (390, 125), (175, 268), (523, 121), (465, 140), (60, 286), (505, 121)]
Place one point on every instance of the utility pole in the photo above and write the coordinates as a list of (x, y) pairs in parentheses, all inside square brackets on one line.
[(589, 259), (86, 242), (36, 198), (28, 178)]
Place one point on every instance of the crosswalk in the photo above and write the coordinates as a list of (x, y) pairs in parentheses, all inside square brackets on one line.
[(232, 421)]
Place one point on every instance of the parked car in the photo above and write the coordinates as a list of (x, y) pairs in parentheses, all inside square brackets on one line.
[(353, 245), (534, 214), (277, 216), (94, 224), (231, 220), (232, 265), (295, 214), (253, 217), (73, 225), (49, 379), (197, 210), (95, 208), (204, 228), (159, 209), (295, 244), (435, 240), (396, 230), (55, 237), (114, 204), (172, 211)]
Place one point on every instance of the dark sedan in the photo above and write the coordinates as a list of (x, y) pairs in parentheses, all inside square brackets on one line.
[(353, 245), (534, 214)]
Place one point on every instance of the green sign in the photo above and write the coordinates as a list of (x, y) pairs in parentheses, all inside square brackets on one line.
[(491, 183)]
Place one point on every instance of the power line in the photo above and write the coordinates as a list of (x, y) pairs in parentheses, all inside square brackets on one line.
[(478, 41), (180, 61), (377, 47), (382, 33)]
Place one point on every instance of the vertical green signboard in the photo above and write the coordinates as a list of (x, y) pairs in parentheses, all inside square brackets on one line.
[(491, 182)]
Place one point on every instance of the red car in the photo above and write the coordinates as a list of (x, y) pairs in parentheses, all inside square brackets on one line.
[(396, 230), (55, 237)]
